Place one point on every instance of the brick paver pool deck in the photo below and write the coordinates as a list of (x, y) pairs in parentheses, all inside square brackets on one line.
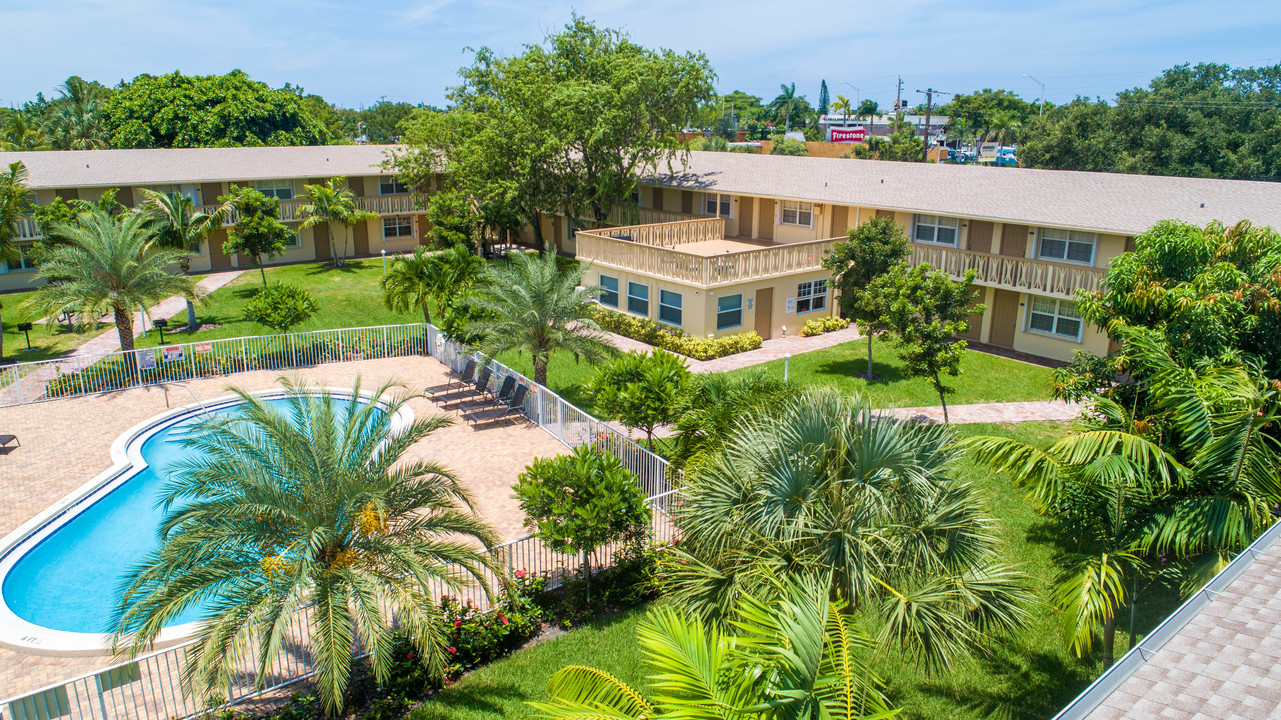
[(66, 443)]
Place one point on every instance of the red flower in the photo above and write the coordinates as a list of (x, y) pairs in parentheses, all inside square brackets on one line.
[(411, 655), (520, 573), (453, 650), (458, 623), (500, 617)]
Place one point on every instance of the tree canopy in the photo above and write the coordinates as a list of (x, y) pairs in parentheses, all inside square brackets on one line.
[(1206, 120), (176, 110)]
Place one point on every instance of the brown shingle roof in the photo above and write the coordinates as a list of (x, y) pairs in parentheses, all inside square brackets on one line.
[(1102, 202), (111, 168)]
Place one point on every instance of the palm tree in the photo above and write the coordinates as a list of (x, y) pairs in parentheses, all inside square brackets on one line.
[(181, 227), (1003, 127), (793, 654), (414, 282), (1104, 485), (785, 103), (868, 109), (714, 404), (825, 484), (77, 125), (108, 264), (15, 200), (333, 203), (21, 135), (533, 305), (844, 107), (306, 504)]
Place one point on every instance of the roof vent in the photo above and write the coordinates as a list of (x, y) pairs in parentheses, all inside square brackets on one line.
[(87, 165), (1202, 204), (882, 181)]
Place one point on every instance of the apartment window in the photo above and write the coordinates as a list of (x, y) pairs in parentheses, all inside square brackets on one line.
[(389, 185), (669, 307), (22, 262), (729, 311), (279, 189), (608, 291), (936, 229), (634, 197), (797, 213), (191, 192), (638, 298), (811, 296), (399, 226), (1054, 317), (1066, 245), (718, 204), (294, 240)]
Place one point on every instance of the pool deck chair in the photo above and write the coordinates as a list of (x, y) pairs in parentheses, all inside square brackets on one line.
[(481, 384), (5, 449), (516, 403), (505, 392), (465, 376)]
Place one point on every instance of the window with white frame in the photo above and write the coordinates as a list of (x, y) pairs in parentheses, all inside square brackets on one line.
[(398, 226), (390, 185), (634, 197), (608, 291), (669, 307), (638, 298), (1054, 317), (294, 240), (797, 213), (811, 296), (21, 261), (190, 191), (718, 204), (729, 311), (936, 229), (1066, 245), (279, 189)]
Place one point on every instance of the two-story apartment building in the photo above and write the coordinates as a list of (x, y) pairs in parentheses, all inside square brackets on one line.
[(1033, 238), (203, 174)]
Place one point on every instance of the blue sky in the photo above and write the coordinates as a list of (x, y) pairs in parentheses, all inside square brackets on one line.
[(355, 53)]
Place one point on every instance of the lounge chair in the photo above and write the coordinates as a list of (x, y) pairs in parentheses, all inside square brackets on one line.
[(481, 384), (4, 444), (464, 377), (505, 392), (515, 403)]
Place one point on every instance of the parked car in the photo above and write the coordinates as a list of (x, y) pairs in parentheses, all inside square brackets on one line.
[(962, 155)]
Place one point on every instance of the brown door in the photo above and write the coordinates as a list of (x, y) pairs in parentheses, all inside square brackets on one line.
[(209, 193), (357, 185), (980, 238), (558, 231), (765, 220), (885, 214), (765, 312), (687, 202), (658, 198), (1005, 318), (1014, 240), (360, 233), (840, 220), (217, 258), (424, 230), (320, 235), (745, 208), (67, 193), (124, 196), (974, 334)]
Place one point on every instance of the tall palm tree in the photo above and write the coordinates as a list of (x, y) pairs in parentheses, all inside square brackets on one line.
[(77, 124), (793, 654), (180, 226), (306, 504), (1003, 127), (533, 305), (844, 107), (20, 134), (825, 484), (332, 203), (15, 200), (108, 264), (786, 102)]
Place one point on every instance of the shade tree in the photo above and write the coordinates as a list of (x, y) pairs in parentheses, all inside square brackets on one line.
[(867, 252)]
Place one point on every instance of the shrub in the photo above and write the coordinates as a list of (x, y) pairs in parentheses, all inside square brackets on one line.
[(822, 325), (648, 331), (640, 390), (787, 146), (280, 306)]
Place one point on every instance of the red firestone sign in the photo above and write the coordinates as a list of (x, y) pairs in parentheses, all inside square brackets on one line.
[(854, 134)]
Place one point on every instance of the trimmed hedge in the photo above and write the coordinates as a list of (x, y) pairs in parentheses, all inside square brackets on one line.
[(648, 331), (822, 325)]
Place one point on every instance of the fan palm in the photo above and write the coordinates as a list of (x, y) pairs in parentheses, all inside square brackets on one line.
[(77, 124), (332, 203), (714, 404), (108, 265), (309, 505), (530, 304), (15, 200), (180, 226), (1104, 485), (792, 654), (825, 483)]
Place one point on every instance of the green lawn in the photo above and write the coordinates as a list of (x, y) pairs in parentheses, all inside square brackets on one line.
[(984, 378), (47, 341), (1030, 677), (349, 296)]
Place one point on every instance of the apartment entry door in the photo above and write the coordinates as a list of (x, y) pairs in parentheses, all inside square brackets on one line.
[(764, 312), (1005, 318)]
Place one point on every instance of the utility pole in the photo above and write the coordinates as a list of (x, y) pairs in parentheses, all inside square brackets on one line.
[(929, 94), (898, 97)]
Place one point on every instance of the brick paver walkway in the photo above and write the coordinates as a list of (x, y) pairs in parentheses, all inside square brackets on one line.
[(66, 443), (769, 350)]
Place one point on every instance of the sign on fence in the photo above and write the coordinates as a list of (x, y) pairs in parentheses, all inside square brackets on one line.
[(172, 353), (146, 359), (202, 348)]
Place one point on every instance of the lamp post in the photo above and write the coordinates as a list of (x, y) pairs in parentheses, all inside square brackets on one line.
[(384, 262), (1041, 112), (858, 94)]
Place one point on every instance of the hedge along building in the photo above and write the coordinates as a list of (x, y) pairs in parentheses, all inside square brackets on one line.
[(752, 259), (203, 174)]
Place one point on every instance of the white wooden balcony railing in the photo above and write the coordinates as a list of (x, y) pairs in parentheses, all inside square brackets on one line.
[(29, 229), (628, 215), (1011, 273), (651, 249), (290, 210)]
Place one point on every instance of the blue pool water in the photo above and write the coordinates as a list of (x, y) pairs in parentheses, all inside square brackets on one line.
[(69, 580)]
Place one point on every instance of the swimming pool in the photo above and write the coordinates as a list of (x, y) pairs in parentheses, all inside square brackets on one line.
[(59, 584)]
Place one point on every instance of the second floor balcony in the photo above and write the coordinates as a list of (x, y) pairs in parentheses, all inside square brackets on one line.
[(1040, 277)]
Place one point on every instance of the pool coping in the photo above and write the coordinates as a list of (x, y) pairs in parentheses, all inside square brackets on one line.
[(24, 636)]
